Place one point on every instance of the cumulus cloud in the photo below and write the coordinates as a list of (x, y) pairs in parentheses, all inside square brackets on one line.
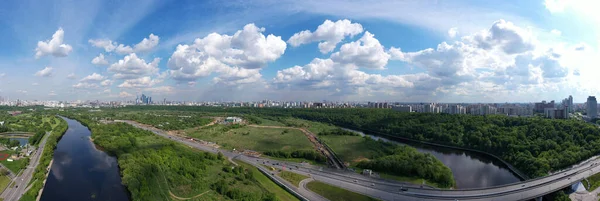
[(452, 32), (141, 82), (46, 72), (367, 52), (2, 74), (132, 67), (100, 60), (54, 46), (21, 91), (72, 76), (328, 34), (108, 45), (505, 36), (124, 94), (145, 45), (106, 83), (556, 32), (52, 93), (35, 84), (85, 85), (234, 57), (94, 77)]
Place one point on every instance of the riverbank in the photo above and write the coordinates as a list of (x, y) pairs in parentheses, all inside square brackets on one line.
[(44, 182)]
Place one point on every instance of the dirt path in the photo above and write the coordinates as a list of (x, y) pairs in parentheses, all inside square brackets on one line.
[(313, 138), (180, 198)]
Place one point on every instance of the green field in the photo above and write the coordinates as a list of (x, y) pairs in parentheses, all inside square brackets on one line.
[(334, 193), (4, 180), (267, 183), (257, 139), (594, 180), (292, 177), (16, 165)]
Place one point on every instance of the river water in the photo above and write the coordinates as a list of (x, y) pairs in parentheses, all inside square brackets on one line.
[(470, 170), (81, 172)]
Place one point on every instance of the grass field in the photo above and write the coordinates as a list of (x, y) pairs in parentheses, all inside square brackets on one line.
[(292, 177), (4, 180), (14, 166), (267, 184), (336, 194), (257, 139), (594, 180)]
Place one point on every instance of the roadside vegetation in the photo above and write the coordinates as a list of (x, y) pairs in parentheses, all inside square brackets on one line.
[(592, 182), (58, 130), (335, 193), (293, 178), (154, 168)]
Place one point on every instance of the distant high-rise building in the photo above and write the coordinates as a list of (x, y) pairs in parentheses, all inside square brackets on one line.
[(592, 107)]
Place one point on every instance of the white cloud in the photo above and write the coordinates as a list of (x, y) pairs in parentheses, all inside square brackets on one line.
[(147, 44), (124, 94), (132, 67), (46, 72), (85, 85), (506, 36), (123, 49), (234, 57), (108, 45), (556, 6), (106, 83), (141, 82), (35, 84), (52, 93), (72, 76), (452, 32), (100, 60), (367, 52), (2, 74), (94, 77), (161, 89), (21, 91), (556, 32), (328, 34), (54, 46)]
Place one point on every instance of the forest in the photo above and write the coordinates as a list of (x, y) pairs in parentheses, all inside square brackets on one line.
[(152, 168), (534, 145)]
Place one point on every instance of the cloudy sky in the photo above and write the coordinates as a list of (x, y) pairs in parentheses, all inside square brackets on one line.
[(380, 50)]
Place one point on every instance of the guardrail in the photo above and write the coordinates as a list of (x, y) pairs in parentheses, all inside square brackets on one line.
[(288, 189)]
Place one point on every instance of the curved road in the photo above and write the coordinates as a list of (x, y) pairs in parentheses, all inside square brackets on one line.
[(390, 190)]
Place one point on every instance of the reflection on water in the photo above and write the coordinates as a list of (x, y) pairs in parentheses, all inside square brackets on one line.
[(470, 170), (81, 172)]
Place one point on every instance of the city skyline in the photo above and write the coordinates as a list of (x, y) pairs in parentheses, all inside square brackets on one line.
[(264, 51)]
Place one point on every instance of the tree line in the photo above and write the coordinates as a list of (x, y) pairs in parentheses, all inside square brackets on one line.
[(534, 145), (305, 154)]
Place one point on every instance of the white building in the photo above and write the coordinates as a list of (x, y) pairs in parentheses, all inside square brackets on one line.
[(592, 107), (403, 108)]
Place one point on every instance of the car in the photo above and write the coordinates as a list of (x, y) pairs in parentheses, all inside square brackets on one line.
[(17, 186), (355, 181), (569, 178), (403, 189), (372, 184), (523, 185)]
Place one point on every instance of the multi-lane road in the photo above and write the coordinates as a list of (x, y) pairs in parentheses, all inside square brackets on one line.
[(21, 181), (391, 190)]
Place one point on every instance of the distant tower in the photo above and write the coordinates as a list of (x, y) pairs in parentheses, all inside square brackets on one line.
[(592, 107), (570, 104)]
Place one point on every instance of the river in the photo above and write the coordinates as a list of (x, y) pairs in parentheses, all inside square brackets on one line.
[(82, 172), (470, 170)]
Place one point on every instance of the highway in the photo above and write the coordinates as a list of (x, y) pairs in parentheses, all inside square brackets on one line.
[(390, 190), (22, 180)]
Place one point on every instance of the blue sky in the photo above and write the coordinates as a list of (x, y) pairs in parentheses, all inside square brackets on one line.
[(385, 50)]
